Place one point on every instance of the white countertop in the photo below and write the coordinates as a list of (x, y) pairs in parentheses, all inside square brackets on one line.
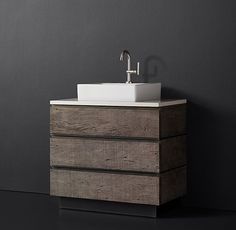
[(162, 103)]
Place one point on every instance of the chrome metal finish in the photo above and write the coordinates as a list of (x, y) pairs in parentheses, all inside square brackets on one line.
[(129, 71), (138, 68)]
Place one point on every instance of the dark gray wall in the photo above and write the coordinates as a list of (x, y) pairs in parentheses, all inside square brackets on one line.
[(47, 47)]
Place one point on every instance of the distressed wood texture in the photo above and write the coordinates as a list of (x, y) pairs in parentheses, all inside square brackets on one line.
[(117, 121), (105, 121), (105, 186), (172, 121), (141, 189), (144, 149), (172, 153), (127, 155), (173, 185)]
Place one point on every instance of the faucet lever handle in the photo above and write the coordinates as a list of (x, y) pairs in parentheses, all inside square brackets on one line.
[(138, 68)]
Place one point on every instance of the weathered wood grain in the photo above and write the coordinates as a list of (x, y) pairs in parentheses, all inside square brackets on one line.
[(105, 186), (127, 155), (172, 153), (105, 121), (173, 184), (105, 154), (127, 122), (122, 139), (172, 121), (141, 189)]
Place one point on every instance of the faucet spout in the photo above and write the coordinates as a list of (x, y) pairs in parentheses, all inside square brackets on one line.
[(129, 71), (123, 54)]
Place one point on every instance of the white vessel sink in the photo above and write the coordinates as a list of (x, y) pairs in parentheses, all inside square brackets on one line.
[(119, 92)]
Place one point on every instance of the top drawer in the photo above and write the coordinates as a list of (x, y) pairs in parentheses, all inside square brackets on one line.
[(145, 123)]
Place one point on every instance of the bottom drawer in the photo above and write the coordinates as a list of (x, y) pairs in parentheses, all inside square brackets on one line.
[(138, 188)]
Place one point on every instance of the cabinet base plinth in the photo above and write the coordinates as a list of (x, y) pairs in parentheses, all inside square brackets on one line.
[(109, 207)]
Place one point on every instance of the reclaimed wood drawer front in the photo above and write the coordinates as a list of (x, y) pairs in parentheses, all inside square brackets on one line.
[(126, 155), (141, 189), (127, 122), (105, 121), (105, 186)]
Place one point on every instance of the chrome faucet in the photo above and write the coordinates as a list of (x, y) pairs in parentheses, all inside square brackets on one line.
[(129, 71)]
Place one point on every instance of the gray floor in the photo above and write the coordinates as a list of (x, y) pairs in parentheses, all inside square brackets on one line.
[(36, 211)]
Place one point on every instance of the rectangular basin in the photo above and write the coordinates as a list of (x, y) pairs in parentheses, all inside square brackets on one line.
[(119, 92)]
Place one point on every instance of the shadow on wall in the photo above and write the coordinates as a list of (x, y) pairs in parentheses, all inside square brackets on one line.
[(205, 153), (153, 66), (208, 150)]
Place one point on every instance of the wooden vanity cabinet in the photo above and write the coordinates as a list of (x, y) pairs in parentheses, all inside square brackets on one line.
[(124, 154)]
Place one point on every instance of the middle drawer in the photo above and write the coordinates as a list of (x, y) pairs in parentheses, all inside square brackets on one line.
[(115, 154)]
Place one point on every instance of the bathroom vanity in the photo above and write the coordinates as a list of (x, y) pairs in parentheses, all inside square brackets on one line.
[(118, 152)]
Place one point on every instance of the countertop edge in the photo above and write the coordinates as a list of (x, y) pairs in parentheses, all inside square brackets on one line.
[(162, 103)]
